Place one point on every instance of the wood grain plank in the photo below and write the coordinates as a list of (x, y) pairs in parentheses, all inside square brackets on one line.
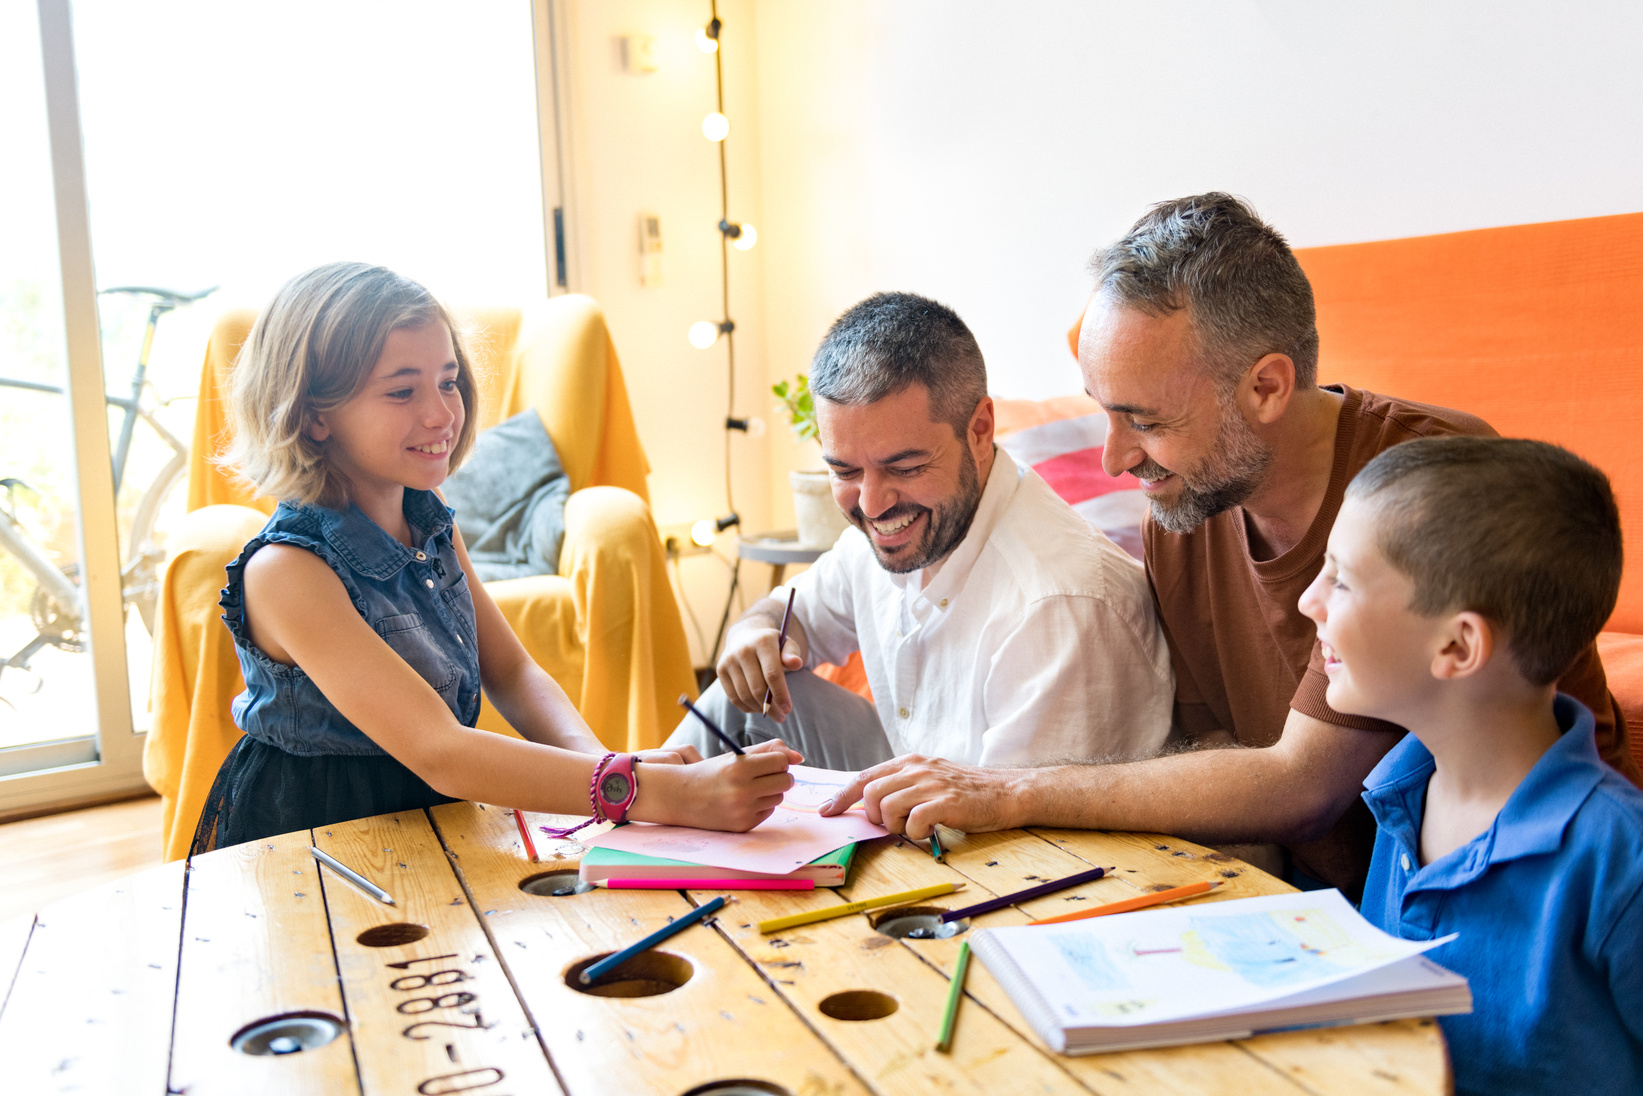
[(812, 965), (723, 1023), (1154, 861), (90, 1010), (256, 945), (444, 1024)]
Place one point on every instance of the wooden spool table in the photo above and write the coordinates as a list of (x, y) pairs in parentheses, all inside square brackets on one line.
[(144, 986)]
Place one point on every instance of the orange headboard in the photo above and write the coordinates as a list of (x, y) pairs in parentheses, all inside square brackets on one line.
[(1536, 328)]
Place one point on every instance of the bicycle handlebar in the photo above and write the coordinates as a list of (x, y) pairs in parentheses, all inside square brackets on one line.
[(167, 296)]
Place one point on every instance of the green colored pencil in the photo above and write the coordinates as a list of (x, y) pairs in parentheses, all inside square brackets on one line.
[(955, 992)]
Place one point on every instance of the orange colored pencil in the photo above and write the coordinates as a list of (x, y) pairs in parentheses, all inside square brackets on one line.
[(1137, 903)]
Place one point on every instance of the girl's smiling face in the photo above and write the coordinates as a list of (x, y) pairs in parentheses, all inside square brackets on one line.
[(398, 430), (1378, 652)]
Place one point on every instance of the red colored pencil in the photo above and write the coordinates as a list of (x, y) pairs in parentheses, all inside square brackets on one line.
[(525, 835)]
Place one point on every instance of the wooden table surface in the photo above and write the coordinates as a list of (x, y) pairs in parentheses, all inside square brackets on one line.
[(462, 986)]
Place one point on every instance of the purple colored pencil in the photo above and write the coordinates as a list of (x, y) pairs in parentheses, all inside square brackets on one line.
[(1023, 896), (781, 642)]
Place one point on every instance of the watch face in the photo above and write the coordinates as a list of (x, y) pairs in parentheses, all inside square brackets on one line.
[(615, 788)]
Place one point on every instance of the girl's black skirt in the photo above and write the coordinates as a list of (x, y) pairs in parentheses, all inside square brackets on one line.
[(261, 791)]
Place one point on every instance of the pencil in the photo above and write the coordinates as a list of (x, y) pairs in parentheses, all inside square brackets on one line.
[(935, 846), (955, 994), (351, 876), (684, 701), (781, 642), (525, 835), (611, 962), (776, 924), (1030, 893), (707, 884), (1137, 903)]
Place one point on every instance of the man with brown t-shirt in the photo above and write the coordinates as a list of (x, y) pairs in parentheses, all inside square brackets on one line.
[(1200, 343)]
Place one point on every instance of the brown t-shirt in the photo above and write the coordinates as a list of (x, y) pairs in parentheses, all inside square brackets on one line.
[(1244, 655)]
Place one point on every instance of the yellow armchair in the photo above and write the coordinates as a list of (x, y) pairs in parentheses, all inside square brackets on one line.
[(606, 627)]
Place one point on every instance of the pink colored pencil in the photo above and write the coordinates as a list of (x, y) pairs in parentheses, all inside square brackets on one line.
[(707, 884)]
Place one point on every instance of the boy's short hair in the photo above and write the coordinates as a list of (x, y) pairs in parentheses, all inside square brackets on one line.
[(891, 341), (310, 350), (1523, 532)]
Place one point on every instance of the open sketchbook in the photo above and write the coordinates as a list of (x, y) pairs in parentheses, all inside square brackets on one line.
[(1221, 970)]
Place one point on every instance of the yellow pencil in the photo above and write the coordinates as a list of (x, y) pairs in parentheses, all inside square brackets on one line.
[(776, 924), (1141, 902)]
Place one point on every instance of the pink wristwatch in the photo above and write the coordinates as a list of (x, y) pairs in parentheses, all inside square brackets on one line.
[(616, 786)]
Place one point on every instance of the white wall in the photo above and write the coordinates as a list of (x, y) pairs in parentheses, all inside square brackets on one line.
[(977, 152), (637, 146)]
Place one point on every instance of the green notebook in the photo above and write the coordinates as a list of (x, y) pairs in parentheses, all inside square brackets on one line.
[(599, 865)]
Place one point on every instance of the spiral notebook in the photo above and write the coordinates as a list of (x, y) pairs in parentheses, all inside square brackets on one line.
[(1220, 970)]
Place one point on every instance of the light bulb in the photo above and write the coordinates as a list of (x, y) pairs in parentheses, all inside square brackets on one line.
[(703, 334), (755, 427), (747, 239), (715, 127), (705, 42), (703, 532)]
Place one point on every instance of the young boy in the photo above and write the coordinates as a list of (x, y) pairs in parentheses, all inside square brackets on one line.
[(1463, 576)]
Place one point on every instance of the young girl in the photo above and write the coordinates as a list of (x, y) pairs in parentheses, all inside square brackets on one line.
[(362, 632)]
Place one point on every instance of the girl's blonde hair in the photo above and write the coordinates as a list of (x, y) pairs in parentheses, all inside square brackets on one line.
[(309, 352)]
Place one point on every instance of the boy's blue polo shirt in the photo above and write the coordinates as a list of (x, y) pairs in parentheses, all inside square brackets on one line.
[(1548, 902)]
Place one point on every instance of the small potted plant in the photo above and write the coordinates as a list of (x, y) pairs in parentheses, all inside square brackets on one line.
[(818, 518)]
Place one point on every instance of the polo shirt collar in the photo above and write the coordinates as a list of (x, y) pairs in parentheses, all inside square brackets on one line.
[(1534, 817), (948, 575), (367, 547)]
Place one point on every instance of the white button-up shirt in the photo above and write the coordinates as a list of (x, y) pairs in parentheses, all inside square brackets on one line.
[(1034, 641)]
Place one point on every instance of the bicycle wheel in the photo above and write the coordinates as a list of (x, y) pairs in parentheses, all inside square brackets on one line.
[(145, 557)]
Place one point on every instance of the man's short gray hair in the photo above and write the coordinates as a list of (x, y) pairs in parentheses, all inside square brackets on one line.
[(892, 340), (1240, 283)]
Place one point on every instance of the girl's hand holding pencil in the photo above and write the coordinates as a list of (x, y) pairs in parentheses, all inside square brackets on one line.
[(729, 792)]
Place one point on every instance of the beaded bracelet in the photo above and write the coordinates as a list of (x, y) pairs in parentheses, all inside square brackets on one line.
[(593, 798)]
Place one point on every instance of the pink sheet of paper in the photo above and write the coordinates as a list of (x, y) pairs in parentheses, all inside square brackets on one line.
[(789, 839)]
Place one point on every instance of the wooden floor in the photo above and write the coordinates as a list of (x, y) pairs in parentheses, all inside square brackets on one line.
[(58, 855)]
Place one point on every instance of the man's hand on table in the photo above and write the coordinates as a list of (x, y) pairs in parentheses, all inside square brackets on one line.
[(911, 794), (750, 663)]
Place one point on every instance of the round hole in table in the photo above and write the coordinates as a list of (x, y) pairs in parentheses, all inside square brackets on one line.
[(648, 974), (738, 1088), (917, 923), (286, 1033), (554, 884), (393, 935), (858, 1004)]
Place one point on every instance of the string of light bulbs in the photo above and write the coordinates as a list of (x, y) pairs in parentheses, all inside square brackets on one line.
[(704, 334)]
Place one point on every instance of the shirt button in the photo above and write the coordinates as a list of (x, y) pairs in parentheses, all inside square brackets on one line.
[(1404, 859), (424, 555), (903, 712), (944, 603), (430, 583)]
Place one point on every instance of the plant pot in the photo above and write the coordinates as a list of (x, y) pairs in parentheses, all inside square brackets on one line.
[(817, 516)]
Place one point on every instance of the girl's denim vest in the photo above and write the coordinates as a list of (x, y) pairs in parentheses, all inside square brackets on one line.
[(416, 600)]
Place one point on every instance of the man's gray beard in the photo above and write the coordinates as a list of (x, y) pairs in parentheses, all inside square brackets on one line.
[(1235, 466), (948, 525)]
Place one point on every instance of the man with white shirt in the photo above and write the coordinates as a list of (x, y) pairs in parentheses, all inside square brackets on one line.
[(996, 627)]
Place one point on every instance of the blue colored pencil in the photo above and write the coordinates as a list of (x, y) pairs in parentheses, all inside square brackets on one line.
[(611, 962)]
